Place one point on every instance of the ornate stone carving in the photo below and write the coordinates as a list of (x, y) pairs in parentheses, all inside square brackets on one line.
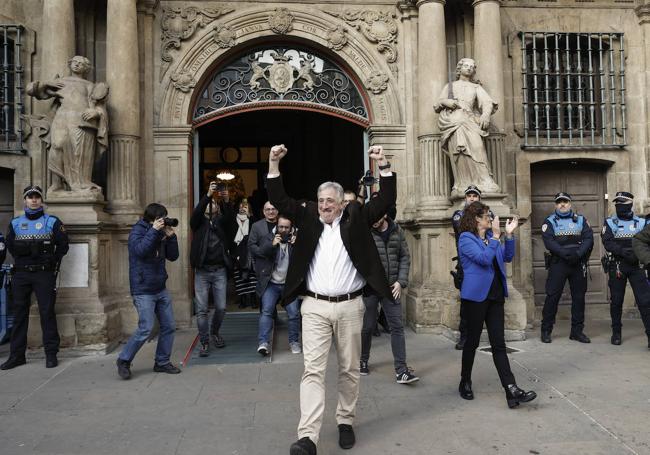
[(224, 36), (281, 21), (77, 131), (378, 27), (179, 24), (377, 82), (281, 75), (337, 38), (183, 80)]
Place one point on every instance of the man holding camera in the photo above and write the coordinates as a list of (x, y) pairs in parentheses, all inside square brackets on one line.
[(272, 254), (37, 241), (152, 241), (212, 225)]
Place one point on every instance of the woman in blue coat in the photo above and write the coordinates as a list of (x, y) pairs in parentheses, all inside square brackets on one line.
[(483, 294)]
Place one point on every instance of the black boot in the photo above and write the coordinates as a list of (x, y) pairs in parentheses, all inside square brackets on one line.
[(579, 336), (461, 342), (13, 362), (515, 395), (465, 389), (546, 336), (51, 361), (303, 446), (123, 368), (616, 338)]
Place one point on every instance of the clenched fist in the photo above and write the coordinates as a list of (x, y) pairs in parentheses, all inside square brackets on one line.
[(277, 152)]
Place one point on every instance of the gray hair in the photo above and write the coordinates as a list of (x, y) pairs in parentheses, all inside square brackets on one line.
[(335, 186)]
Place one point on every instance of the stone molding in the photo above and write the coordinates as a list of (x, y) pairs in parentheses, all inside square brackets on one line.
[(281, 21), (476, 2), (179, 24), (643, 13), (377, 82), (424, 2)]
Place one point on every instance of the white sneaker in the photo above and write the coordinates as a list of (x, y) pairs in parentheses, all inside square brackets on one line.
[(295, 347), (264, 349)]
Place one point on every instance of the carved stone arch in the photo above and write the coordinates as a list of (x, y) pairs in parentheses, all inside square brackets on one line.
[(232, 34)]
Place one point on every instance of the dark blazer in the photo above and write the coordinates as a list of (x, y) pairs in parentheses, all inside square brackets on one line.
[(260, 246), (223, 225), (355, 226), (477, 260)]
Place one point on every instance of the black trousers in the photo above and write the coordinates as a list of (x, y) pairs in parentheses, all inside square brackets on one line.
[(462, 325), (491, 313), (42, 284), (640, 288), (559, 272)]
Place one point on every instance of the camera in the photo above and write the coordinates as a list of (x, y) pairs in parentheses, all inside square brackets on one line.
[(368, 179), (221, 187), (173, 222), (285, 237)]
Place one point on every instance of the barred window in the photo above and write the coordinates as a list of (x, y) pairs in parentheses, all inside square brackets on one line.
[(573, 89), (11, 89)]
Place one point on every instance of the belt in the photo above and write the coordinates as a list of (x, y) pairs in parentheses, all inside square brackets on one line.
[(33, 268), (336, 298)]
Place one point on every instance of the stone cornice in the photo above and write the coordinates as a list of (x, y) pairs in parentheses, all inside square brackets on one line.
[(424, 2), (476, 2), (643, 12)]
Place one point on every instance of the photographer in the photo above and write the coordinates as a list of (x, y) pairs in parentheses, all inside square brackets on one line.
[(212, 225), (152, 241), (272, 255)]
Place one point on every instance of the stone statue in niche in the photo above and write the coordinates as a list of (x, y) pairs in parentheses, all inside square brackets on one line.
[(77, 133), (464, 109)]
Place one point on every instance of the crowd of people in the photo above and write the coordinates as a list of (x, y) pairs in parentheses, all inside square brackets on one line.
[(332, 264)]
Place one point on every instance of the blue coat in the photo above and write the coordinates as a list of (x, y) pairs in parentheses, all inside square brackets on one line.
[(477, 261), (148, 251)]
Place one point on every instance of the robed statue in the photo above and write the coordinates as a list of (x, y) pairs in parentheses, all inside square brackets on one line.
[(78, 132), (465, 109)]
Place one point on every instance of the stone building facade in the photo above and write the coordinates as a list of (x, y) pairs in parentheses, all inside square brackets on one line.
[(571, 77)]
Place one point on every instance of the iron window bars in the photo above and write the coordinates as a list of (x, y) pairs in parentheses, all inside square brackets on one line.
[(573, 89), (11, 89)]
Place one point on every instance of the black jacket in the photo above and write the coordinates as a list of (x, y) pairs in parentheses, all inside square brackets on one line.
[(260, 245), (355, 225), (224, 225), (641, 246), (394, 254)]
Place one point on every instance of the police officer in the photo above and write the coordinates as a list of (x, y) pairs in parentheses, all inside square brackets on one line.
[(569, 239), (472, 194), (38, 242), (623, 265)]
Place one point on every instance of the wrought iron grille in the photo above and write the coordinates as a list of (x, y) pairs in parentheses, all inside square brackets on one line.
[(280, 74), (573, 89), (11, 89)]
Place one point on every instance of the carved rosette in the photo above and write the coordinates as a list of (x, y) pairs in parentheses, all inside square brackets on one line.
[(281, 21), (337, 38), (179, 24), (183, 80), (224, 36), (378, 27), (377, 82)]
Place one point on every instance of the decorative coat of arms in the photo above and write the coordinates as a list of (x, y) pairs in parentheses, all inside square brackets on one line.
[(281, 75), (281, 21)]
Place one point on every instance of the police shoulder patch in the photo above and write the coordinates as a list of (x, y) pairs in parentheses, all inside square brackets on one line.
[(456, 217), (544, 227)]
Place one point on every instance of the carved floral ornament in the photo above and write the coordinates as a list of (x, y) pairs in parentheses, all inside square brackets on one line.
[(224, 36), (377, 82), (183, 80), (337, 38), (281, 21), (179, 24)]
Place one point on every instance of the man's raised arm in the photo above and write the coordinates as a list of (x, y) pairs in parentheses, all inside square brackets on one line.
[(274, 185), (378, 206)]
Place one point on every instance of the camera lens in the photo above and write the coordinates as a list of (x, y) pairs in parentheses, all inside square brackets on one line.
[(173, 222)]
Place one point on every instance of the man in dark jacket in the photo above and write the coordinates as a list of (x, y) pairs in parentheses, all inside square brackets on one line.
[(151, 243), (334, 259), (641, 247), (394, 254), (212, 225)]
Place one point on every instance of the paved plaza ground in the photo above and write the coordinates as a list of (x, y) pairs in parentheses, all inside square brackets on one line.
[(593, 399)]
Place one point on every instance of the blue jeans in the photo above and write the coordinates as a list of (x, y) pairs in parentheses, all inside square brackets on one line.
[(270, 299), (204, 281), (148, 307)]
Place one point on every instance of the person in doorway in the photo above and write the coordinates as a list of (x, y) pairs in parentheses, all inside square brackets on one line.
[(245, 279), (37, 241), (623, 265), (334, 259), (211, 223), (483, 294), (259, 230), (152, 242), (569, 239), (272, 259)]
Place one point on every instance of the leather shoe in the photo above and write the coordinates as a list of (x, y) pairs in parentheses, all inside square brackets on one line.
[(51, 361), (465, 389), (13, 362), (515, 395), (616, 339), (581, 337), (303, 446), (546, 337), (461, 343), (166, 368), (123, 368), (346, 436)]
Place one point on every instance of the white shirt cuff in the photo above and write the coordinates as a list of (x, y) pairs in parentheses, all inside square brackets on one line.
[(272, 176), (386, 173)]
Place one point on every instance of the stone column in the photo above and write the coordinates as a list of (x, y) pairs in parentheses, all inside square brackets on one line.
[(123, 78), (643, 13), (58, 37), (432, 76)]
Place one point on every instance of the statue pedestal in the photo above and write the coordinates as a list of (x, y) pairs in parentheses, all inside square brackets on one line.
[(87, 314)]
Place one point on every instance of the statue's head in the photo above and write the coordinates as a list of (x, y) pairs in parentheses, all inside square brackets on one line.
[(466, 67), (79, 65)]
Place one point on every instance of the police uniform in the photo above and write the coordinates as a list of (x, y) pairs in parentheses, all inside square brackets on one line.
[(38, 242), (569, 239), (3, 249), (622, 264)]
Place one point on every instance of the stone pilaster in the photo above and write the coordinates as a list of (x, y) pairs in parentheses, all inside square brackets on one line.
[(123, 78), (643, 13)]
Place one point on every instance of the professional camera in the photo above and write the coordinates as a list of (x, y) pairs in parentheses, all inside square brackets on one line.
[(368, 179), (173, 222), (221, 187), (285, 237)]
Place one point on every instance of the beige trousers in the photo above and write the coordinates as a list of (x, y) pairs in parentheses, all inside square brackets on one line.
[(323, 321)]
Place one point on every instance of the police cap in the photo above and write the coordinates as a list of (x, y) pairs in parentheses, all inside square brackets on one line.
[(473, 189), (32, 189), (623, 197), (563, 196)]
